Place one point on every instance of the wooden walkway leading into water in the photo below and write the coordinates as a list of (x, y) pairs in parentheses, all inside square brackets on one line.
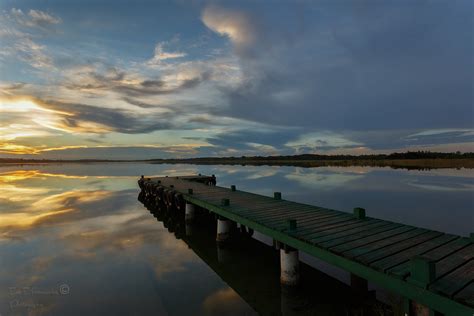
[(428, 267)]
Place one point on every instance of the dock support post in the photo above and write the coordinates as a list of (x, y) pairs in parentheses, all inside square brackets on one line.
[(223, 230), (189, 213), (290, 302), (223, 254), (423, 272), (276, 244), (289, 265), (188, 229), (412, 308)]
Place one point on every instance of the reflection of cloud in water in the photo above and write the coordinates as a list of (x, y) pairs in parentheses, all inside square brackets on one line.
[(183, 170), (441, 186), (51, 208), (462, 173), (173, 257), (224, 302), (262, 174), (313, 178), (20, 175), (350, 169), (67, 229)]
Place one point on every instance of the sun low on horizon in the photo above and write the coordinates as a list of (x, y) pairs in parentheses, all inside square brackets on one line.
[(115, 80)]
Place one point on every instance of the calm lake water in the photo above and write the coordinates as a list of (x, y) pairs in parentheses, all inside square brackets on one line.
[(74, 239)]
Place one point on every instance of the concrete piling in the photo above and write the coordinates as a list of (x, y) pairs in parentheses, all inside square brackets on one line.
[(223, 229), (290, 266), (189, 213)]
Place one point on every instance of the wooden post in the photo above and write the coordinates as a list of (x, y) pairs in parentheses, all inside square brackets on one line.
[(190, 191), (423, 271), (291, 224), (277, 195), (359, 212), (232, 187)]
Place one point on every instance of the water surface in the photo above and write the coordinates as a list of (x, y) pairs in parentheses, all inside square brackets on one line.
[(75, 240)]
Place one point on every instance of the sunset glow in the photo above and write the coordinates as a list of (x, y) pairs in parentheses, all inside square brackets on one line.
[(223, 82)]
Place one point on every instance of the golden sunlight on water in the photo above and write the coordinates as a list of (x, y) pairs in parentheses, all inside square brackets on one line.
[(34, 205), (89, 233)]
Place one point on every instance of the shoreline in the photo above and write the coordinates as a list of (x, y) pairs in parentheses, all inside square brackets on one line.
[(466, 163), (435, 163)]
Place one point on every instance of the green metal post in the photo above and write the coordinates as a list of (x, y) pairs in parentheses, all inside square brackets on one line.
[(291, 224), (423, 271), (359, 212)]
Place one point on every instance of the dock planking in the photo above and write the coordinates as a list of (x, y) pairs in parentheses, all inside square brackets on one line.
[(378, 250)]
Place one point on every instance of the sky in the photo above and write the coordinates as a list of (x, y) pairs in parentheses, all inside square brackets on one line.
[(165, 79)]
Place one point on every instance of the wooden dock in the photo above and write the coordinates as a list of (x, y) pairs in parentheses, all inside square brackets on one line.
[(432, 270)]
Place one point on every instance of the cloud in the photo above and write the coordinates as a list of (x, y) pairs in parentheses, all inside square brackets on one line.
[(360, 67), (92, 119), (20, 33), (234, 24), (320, 141), (42, 18), (35, 18), (160, 54), (33, 54), (29, 117), (128, 85), (357, 77)]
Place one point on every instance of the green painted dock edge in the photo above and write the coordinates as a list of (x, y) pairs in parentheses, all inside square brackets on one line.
[(437, 302)]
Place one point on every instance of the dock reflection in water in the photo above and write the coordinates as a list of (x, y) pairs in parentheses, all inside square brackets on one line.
[(251, 268), (81, 225)]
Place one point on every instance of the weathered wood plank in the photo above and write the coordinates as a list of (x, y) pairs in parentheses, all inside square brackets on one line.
[(297, 215), (436, 254), (454, 260), (455, 281), (466, 295), (395, 259), (339, 232), (339, 240), (374, 245), (396, 248), (358, 242), (338, 227), (320, 223)]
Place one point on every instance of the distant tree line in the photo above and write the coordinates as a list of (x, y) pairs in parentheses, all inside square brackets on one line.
[(303, 157), (316, 157)]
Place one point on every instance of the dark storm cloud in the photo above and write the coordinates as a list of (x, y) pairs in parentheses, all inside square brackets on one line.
[(113, 80), (139, 103), (366, 66), (389, 139), (126, 152), (115, 119), (240, 140)]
